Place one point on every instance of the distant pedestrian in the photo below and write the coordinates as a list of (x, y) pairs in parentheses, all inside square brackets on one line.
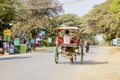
[(86, 45), (28, 46)]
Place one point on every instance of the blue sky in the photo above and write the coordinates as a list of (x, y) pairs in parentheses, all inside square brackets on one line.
[(79, 7)]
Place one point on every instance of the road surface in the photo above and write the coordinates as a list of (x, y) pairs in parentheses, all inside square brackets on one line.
[(99, 64)]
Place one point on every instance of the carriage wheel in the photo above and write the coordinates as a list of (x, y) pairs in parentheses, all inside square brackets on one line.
[(56, 58), (56, 55), (81, 60)]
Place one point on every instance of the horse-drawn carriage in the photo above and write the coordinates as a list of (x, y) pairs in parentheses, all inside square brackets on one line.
[(69, 51)]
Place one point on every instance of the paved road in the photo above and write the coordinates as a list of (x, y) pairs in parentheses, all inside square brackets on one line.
[(41, 66)]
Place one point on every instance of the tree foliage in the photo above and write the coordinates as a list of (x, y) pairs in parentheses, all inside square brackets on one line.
[(116, 8), (36, 14), (103, 21), (7, 14), (68, 20)]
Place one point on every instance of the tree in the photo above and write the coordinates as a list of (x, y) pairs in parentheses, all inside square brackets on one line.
[(68, 20), (116, 8), (7, 14), (47, 7), (36, 15), (105, 21)]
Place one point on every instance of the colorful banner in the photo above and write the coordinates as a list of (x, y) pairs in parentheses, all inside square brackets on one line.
[(32, 41), (7, 38), (49, 40), (23, 48), (38, 39), (17, 41), (118, 42), (11, 48), (41, 34), (7, 32), (114, 42)]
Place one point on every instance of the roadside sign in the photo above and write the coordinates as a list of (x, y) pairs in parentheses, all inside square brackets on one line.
[(7, 32)]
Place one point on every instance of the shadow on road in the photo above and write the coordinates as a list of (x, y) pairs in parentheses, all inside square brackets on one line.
[(12, 58), (90, 62)]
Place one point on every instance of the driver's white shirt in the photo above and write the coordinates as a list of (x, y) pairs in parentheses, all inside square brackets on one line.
[(66, 39)]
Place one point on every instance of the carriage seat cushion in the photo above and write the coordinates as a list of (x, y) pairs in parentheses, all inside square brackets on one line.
[(60, 40)]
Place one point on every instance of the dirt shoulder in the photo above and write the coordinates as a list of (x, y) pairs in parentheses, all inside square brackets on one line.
[(106, 66), (114, 49)]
